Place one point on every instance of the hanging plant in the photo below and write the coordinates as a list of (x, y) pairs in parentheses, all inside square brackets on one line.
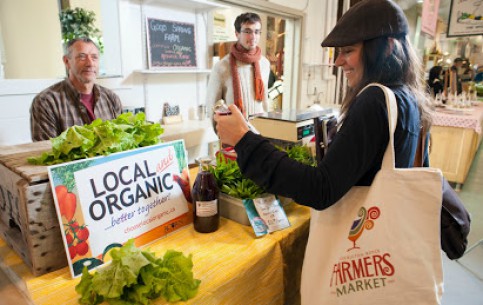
[(79, 22)]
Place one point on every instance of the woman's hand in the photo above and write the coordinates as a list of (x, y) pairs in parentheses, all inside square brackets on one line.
[(231, 128)]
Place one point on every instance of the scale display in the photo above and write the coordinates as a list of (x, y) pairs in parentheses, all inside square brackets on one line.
[(288, 125)]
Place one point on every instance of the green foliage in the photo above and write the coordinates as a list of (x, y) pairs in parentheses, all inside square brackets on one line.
[(231, 181), (64, 175), (300, 153), (136, 277), (127, 131), (79, 22)]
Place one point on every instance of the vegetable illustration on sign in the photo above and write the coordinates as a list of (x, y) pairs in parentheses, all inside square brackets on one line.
[(75, 235), (67, 202)]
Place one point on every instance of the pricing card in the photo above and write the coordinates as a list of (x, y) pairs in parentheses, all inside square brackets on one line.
[(266, 214)]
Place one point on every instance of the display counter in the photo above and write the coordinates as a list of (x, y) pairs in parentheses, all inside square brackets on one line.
[(455, 137), (234, 267)]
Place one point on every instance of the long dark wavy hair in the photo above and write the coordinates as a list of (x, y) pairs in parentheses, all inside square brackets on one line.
[(434, 73), (392, 66)]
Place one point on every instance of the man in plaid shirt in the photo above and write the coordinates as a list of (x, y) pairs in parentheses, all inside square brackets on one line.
[(77, 100)]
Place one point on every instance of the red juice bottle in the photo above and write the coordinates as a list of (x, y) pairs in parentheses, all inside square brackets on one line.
[(206, 208)]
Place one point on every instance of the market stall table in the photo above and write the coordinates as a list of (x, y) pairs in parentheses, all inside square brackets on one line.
[(455, 137), (234, 267)]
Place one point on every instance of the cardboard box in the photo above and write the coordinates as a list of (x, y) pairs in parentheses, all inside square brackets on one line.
[(28, 220)]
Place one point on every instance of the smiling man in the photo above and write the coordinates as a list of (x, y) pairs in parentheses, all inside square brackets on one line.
[(77, 100), (241, 77)]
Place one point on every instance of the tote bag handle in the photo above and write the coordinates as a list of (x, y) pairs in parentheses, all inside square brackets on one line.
[(388, 161)]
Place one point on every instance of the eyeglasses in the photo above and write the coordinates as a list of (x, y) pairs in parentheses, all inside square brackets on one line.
[(84, 57), (249, 32)]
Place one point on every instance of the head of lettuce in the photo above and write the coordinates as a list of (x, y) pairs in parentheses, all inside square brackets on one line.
[(127, 131)]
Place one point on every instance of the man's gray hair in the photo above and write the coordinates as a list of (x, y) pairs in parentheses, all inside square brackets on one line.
[(68, 49)]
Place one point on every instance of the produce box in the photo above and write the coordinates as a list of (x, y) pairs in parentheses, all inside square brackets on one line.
[(28, 220), (233, 208)]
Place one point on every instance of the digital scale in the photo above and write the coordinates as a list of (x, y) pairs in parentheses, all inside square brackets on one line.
[(294, 126)]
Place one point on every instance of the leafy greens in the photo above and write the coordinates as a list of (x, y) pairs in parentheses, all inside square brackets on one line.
[(136, 277), (231, 181), (127, 131)]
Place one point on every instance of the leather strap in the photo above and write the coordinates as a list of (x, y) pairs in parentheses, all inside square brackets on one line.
[(419, 157)]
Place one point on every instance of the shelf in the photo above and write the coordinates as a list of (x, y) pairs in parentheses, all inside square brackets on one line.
[(192, 4), (193, 132), (318, 65), (173, 71)]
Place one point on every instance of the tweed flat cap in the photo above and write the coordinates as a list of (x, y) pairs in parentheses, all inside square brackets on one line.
[(366, 20)]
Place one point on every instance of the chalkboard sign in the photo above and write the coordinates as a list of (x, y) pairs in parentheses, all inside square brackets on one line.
[(170, 43)]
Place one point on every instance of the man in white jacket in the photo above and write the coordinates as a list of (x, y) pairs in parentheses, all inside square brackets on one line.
[(241, 77)]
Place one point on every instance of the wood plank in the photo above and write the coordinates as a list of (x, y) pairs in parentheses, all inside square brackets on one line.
[(27, 147), (452, 151), (15, 158), (39, 208), (9, 197), (14, 238)]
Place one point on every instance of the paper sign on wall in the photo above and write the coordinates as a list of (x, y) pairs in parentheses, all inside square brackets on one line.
[(102, 202), (465, 18), (429, 17)]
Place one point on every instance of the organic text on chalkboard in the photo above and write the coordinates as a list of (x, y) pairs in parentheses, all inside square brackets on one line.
[(170, 43)]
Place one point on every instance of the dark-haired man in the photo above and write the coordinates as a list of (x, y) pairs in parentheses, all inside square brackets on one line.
[(77, 100), (455, 79), (241, 77)]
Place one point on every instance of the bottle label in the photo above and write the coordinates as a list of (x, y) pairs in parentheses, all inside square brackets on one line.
[(206, 208)]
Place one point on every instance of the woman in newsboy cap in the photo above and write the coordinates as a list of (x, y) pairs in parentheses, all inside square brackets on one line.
[(373, 47)]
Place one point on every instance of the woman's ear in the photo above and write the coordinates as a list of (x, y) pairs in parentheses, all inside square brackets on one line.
[(390, 46)]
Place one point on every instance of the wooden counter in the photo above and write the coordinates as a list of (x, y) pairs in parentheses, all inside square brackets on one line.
[(455, 138), (234, 267)]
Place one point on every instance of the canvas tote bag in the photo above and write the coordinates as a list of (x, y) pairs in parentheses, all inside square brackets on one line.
[(378, 244)]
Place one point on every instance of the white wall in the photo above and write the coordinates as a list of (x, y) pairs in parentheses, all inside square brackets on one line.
[(153, 90), (27, 55)]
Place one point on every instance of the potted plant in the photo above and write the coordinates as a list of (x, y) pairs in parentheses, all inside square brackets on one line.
[(79, 22)]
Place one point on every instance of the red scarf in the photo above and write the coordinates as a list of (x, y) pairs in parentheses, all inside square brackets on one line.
[(237, 52)]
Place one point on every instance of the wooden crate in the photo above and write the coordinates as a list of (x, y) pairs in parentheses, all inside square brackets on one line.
[(28, 221)]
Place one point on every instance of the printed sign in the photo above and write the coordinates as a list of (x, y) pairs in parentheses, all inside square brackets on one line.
[(171, 43), (103, 202), (266, 214), (465, 18), (429, 17)]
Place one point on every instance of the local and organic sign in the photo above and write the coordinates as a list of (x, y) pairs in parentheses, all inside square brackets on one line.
[(103, 202), (170, 43)]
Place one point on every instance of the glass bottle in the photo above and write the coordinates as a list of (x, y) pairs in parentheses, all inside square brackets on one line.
[(206, 209)]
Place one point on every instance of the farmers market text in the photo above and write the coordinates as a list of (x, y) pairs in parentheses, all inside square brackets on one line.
[(365, 272)]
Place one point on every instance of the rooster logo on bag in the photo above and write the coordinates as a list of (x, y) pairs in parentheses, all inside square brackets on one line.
[(365, 220), (362, 269)]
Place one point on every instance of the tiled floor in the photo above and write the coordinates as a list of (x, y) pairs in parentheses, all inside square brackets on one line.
[(463, 279)]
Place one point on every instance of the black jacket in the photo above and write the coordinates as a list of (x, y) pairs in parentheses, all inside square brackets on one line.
[(354, 157)]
